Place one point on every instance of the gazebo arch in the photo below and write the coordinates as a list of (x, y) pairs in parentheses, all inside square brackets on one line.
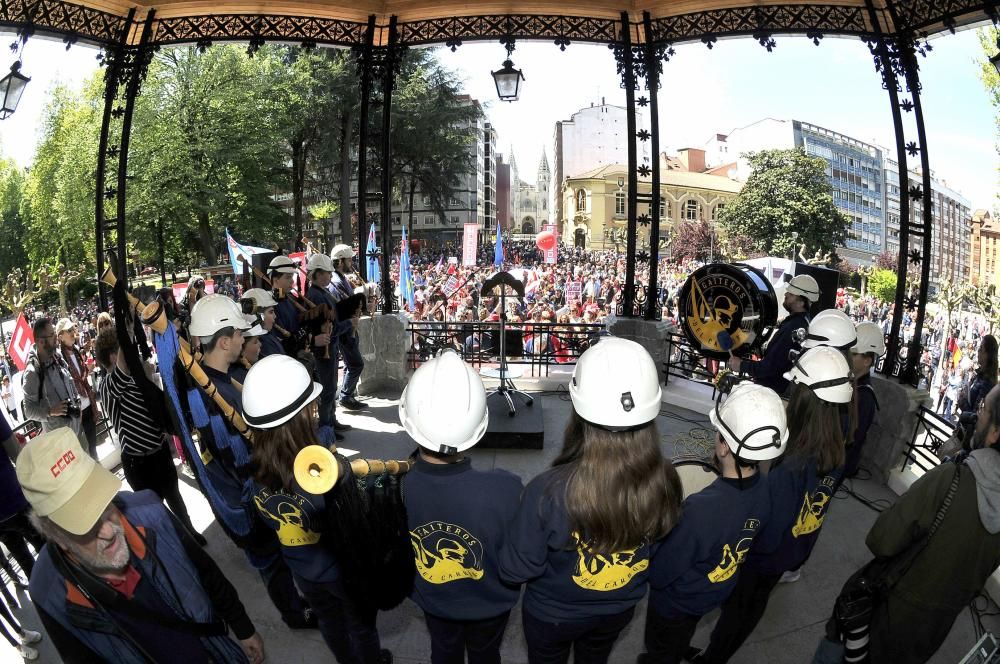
[(641, 35)]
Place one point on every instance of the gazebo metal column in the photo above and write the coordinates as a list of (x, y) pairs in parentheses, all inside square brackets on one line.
[(654, 56), (892, 59), (626, 69), (388, 66), (114, 76), (364, 56)]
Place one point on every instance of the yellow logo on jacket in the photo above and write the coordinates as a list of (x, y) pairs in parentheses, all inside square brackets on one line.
[(595, 571), (288, 512), (813, 509), (733, 556), (445, 552)]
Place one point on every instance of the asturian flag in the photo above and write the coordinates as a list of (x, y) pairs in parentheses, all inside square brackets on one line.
[(236, 250)]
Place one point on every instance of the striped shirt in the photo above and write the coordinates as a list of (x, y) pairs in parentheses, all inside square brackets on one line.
[(122, 398)]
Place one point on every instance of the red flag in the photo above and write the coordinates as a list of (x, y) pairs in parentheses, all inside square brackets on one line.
[(20, 343)]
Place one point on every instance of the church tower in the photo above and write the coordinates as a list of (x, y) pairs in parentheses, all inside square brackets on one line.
[(543, 189)]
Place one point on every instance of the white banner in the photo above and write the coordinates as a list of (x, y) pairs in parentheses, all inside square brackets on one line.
[(469, 244), (551, 254)]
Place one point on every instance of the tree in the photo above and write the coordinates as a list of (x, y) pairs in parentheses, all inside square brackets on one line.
[(985, 298), (887, 260), (949, 297), (882, 285), (988, 73), (12, 219), (695, 240), (787, 201), (22, 288)]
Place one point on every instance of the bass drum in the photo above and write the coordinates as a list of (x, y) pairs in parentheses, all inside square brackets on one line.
[(723, 304), (695, 474)]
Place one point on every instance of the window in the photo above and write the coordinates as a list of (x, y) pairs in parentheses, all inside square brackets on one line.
[(691, 210), (454, 219), (426, 200), (619, 202), (663, 210), (395, 221), (581, 201), (718, 208), (428, 220)]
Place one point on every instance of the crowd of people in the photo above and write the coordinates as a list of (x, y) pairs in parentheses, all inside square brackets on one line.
[(120, 577)]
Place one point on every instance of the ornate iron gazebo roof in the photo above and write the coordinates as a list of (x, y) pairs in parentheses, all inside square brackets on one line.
[(451, 22)]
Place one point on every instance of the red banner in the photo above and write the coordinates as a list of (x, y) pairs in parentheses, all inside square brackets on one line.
[(21, 341), (469, 242)]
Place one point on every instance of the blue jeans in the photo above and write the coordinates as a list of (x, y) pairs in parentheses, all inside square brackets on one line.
[(591, 639), (354, 364), (326, 371), (348, 631)]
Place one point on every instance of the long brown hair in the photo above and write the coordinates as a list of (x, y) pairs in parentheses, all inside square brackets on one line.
[(274, 449), (814, 430), (620, 490)]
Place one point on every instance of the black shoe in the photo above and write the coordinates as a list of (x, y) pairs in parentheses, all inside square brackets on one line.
[(340, 426), (384, 656), (307, 620), (351, 403)]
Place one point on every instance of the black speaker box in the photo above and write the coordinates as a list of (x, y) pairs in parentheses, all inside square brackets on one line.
[(828, 281)]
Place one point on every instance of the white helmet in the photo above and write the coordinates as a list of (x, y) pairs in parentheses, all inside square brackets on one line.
[(264, 406), (213, 313), (369, 290), (831, 327), (804, 285), (341, 251), (443, 407), (870, 339), (256, 330), (615, 385), (319, 262), (282, 264), (752, 422), (261, 298), (826, 372)]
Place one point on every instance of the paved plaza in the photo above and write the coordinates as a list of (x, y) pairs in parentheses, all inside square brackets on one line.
[(788, 633)]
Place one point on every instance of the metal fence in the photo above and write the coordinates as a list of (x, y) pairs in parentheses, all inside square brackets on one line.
[(537, 346)]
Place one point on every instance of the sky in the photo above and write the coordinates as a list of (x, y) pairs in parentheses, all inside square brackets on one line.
[(833, 85)]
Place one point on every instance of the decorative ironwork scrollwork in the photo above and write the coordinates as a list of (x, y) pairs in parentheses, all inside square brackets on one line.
[(522, 26), (267, 27), (759, 21)]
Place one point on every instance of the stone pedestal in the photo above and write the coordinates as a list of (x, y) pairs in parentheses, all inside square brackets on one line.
[(384, 343), (893, 427), (650, 334)]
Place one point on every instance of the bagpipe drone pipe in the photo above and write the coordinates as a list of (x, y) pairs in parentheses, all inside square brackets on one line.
[(367, 519), (225, 491)]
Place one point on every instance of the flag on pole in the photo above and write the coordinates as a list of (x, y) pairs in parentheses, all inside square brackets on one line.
[(374, 272), (236, 250), (405, 275), (498, 250)]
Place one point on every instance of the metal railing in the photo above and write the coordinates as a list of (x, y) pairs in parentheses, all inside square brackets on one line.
[(539, 346), (931, 432), (685, 361)]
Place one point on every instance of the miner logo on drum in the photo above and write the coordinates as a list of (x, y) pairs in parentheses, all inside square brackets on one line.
[(696, 568), (769, 371)]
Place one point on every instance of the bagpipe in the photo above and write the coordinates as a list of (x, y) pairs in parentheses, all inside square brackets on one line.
[(365, 511)]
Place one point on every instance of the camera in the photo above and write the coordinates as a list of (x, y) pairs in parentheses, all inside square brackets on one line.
[(72, 407)]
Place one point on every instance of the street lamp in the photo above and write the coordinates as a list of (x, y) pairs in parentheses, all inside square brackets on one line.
[(12, 86), (507, 79)]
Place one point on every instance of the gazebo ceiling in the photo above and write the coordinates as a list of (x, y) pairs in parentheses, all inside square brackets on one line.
[(449, 21)]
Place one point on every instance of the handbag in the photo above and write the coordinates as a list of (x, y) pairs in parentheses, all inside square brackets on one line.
[(852, 612)]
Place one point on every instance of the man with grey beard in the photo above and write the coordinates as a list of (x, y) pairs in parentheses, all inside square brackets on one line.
[(120, 579)]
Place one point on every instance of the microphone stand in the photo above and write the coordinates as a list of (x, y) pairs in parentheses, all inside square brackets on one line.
[(506, 388)]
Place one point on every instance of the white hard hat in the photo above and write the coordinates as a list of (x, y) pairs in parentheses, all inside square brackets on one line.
[(870, 339), (369, 290), (752, 422), (264, 406), (261, 298), (443, 407), (319, 262), (213, 313), (282, 264), (826, 371), (341, 251), (615, 385), (256, 330), (804, 285), (831, 327)]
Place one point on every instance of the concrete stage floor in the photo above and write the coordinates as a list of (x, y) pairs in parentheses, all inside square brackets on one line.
[(788, 633)]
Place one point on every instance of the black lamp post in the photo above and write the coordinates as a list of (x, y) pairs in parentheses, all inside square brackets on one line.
[(12, 86), (507, 79)]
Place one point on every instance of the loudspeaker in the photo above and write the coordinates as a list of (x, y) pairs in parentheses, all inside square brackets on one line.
[(828, 281), (261, 261)]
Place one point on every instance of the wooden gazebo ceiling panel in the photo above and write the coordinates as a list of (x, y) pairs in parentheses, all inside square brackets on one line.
[(447, 21)]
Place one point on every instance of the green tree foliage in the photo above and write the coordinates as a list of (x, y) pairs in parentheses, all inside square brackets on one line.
[(882, 284), (988, 75), (787, 193), (12, 220)]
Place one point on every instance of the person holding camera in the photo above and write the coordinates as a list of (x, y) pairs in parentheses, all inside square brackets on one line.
[(50, 394), (66, 334)]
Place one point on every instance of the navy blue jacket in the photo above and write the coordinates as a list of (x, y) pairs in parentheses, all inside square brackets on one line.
[(320, 296), (286, 315), (800, 498), (458, 518), (566, 580), (270, 344), (867, 406), (696, 567), (298, 518), (770, 369)]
